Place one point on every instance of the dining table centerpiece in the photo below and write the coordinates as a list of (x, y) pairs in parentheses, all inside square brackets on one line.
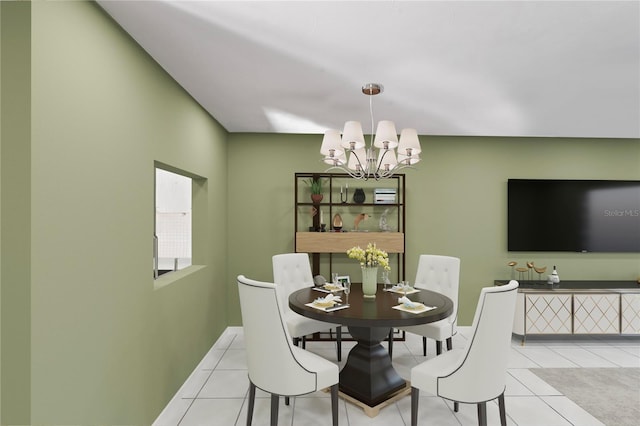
[(370, 260)]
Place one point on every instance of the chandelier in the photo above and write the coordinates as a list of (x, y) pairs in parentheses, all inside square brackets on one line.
[(351, 155)]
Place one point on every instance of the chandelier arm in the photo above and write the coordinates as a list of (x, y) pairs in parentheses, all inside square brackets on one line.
[(397, 168), (347, 171), (362, 168), (380, 163)]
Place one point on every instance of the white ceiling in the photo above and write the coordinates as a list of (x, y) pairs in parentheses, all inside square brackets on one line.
[(481, 68)]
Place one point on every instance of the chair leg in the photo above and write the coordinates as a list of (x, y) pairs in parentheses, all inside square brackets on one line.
[(252, 400), (304, 342), (424, 346), (482, 414), (274, 409), (503, 413), (334, 404), (438, 347), (456, 406), (449, 343), (286, 400), (391, 343), (415, 394), (296, 341), (339, 342)]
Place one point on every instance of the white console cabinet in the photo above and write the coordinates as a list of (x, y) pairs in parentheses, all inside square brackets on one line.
[(577, 307), (595, 313), (630, 313), (546, 313)]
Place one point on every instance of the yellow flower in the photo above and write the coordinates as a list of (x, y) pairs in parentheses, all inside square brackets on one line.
[(371, 256)]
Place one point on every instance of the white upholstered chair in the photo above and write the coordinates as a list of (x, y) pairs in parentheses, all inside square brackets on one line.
[(477, 373), (275, 365), (291, 272), (440, 274)]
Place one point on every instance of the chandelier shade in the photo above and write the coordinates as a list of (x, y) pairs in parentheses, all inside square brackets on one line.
[(386, 133), (357, 160), (331, 142), (409, 140), (352, 136), (349, 152), (387, 160)]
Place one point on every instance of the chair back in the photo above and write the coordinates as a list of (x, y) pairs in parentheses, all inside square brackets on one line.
[(440, 274), (270, 358), (482, 372), (291, 272)]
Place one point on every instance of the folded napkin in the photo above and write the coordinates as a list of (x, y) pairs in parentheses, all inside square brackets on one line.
[(408, 303), (326, 301), (333, 287), (399, 288)]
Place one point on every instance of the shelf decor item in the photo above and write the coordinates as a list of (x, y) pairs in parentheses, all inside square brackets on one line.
[(359, 196), (344, 199), (384, 227), (540, 270), (337, 222), (513, 271), (358, 219), (316, 190), (370, 259)]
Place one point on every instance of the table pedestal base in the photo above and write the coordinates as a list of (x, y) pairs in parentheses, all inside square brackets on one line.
[(374, 411), (368, 375)]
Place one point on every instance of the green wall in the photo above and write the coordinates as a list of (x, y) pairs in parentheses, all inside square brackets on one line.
[(91, 339), (456, 203), (15, 206)]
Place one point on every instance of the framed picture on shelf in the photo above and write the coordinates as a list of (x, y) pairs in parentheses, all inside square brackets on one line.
[(344, 280)]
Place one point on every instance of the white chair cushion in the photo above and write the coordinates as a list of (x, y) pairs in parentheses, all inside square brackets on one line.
[(327, 371), (425, 376), (439, 330), (302, 326)]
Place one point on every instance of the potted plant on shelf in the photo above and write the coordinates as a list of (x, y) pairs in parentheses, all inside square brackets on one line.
[(316, 189)]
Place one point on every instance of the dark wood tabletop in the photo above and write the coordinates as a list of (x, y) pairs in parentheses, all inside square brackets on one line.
[(375, 312)]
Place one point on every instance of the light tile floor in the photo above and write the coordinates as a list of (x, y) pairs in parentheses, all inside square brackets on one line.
[(216, 392)]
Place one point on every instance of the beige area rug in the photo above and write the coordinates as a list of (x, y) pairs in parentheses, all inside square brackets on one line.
[(612, 395)]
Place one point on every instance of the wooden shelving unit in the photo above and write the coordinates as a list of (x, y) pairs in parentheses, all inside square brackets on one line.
[(338, 190)]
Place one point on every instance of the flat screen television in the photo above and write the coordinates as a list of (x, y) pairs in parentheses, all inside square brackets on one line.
[(573, 215)]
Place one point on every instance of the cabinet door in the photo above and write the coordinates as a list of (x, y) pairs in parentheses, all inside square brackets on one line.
[(630, 304), (518, 316), (548, 314), (596, 313)]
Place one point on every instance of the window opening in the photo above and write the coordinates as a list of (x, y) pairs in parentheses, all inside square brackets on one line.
[(172, 237)]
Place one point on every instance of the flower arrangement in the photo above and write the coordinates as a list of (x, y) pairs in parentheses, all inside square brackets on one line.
[(372, 256)]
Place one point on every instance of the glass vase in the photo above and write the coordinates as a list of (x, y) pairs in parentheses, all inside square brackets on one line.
[(369, 281)]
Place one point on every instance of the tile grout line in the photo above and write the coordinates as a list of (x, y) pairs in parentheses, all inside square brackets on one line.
[(208, 376)]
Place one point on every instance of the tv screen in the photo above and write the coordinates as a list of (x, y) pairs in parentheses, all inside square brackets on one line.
[(573, 215)]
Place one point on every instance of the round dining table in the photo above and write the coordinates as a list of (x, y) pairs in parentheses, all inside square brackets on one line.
[(368, 375)]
